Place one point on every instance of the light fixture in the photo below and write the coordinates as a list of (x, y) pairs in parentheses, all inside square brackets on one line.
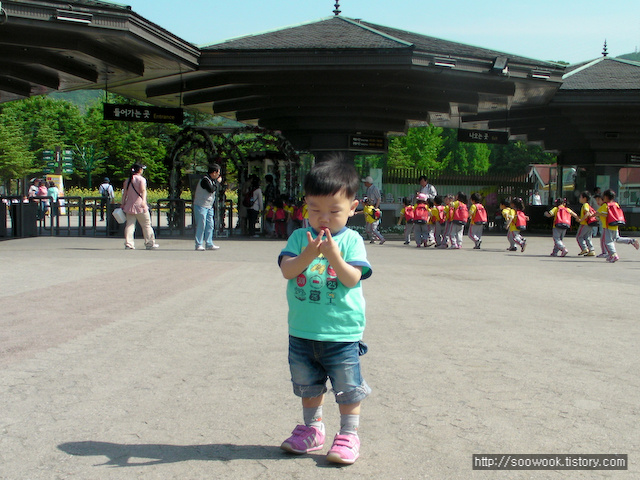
[(540, 74), (444, 62), (500, 65), (74, 17)]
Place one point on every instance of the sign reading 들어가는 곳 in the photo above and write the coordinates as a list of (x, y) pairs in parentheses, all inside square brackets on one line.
[(139, 113)]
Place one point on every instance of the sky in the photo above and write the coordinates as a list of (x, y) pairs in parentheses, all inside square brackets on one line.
[(558, 30)]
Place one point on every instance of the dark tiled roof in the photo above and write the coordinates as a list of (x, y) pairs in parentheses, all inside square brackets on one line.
[(603, 73), (342, 33), (328, 33), (446, 47)]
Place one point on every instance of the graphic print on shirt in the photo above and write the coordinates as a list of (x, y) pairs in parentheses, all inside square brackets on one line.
[(318, 283)]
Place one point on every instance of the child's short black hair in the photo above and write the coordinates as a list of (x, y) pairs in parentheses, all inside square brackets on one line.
[(586, 195), (505, 201), (331, 176), (518, 203), (437, 200), (430, 202), (610, 194), (476, 197), (406, 200), (462, 197)]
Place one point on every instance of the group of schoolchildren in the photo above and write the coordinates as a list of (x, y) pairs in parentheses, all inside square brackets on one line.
[(440, 222), (609, 216), (283, 215)]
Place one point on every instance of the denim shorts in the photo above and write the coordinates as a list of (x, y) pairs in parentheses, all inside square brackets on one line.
[(311, 362)]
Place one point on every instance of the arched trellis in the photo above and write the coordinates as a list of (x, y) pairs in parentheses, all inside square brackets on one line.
[(227, 147)]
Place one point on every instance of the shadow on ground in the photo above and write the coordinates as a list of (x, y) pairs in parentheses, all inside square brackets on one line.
[(121, 455)]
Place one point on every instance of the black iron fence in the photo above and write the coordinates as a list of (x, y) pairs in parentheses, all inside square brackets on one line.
[(92, 216)]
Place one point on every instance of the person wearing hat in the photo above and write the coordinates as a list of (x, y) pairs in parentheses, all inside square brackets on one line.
[(372, 193), (106, 190), (134, 204)]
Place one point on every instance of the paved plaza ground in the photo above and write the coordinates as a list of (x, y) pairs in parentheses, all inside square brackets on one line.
[(172, 364)]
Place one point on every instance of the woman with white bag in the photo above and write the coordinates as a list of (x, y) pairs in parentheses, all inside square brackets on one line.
[(134, 204)]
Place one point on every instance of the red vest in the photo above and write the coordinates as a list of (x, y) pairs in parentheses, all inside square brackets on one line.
[(480, 215), (615, 215), (409, 213), (297, 214), (441, 217), (421, 213), (461, 214)]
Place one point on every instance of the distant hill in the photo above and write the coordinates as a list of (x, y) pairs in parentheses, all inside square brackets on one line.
[(631, 56), (82, 98)]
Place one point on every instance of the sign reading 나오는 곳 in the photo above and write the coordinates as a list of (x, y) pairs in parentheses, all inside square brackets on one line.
[(138, 113), (482, 136)]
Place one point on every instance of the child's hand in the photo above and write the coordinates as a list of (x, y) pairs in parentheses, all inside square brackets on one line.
[(328, 247), (314, 243)]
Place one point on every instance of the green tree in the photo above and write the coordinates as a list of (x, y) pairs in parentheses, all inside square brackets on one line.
[(464, 158), (16, 160), (420, 148), (46, 123), (125, 143), (515, 157)]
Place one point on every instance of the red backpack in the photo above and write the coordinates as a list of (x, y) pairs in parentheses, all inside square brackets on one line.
[(421, 213), (521, 220), (592, 220), (563, 218), (615, 215), (461, 214), (409, 213), (281, 215), (480, 217)]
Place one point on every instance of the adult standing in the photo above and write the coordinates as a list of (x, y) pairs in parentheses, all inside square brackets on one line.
[(536, 199), (54, 193), (134, 204), (204, 202), (372, 193), (106, 190), (426, 188), (33, 189), (256, 205)]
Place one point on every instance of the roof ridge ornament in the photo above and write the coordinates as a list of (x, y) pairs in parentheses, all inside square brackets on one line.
[(604, 49), (337, 11)]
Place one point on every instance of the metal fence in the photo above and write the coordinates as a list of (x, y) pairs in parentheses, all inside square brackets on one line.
[(92, 216)]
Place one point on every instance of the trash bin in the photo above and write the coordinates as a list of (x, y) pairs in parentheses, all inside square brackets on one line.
[(24, 219), (3, 219)]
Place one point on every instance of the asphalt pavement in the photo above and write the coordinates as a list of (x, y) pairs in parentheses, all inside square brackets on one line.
[(172, 364)]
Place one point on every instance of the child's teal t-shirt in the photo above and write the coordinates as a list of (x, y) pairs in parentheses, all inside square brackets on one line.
[(320, 307)]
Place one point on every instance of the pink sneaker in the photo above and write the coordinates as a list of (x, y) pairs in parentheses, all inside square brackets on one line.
[(635, 244), (304, 439), (345, 449), (613, 259)]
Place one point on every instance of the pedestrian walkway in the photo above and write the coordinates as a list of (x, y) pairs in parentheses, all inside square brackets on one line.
[(172, 364)]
